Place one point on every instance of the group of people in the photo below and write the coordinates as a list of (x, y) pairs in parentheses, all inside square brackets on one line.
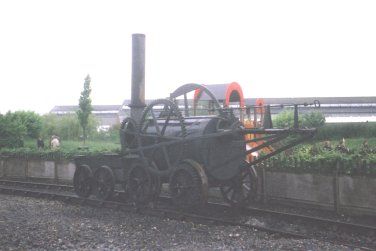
[(341, 147), (54, 142)]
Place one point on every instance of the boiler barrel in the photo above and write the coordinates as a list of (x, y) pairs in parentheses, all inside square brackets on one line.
[(218, 155)]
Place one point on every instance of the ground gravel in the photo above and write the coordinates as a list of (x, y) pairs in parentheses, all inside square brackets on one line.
[(39, 224)]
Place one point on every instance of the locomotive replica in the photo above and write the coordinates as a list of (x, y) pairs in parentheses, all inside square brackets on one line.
[(189, 147), (191, 153)]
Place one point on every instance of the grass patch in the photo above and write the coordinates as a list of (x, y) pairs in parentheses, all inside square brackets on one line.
[(71, 145), (68, 149)]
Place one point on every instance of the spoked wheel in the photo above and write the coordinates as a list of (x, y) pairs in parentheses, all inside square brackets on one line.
[(141, 184), (162, 121), (189, 185), (104, 183), (83, 181), (128, 133), (242, 189), (156, 183)]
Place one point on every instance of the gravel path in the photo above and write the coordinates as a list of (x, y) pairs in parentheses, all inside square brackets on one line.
[(36, 224)]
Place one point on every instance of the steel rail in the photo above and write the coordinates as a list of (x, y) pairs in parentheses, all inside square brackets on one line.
[(249, 211), (120, 205), (245, 211), (178, 214), (36, 184)]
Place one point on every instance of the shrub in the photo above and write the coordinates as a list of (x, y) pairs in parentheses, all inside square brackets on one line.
[(347, 130), (316, 159), (30, 120), (285, 119), (12, 131), (67, 127), (313, 119)]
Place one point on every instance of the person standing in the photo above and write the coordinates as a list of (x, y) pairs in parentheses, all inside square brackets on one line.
[(40, 143)]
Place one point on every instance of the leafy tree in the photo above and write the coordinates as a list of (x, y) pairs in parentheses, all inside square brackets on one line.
[(67, 127), (31, 120), (50, 124), (12, 131), (85, 107)]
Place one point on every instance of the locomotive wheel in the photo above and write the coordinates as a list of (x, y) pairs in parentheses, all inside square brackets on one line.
[(243, 188), (83, 181), (104, 183), (139, 183), (156, 183), (128, 133), (189, 185), (164, 157)]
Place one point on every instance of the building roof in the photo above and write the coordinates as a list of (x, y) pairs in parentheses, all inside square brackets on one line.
[(323, 100), (96, 108), (298, 100)]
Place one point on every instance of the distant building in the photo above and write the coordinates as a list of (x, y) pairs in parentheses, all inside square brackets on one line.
[(335, 109), (107, 115)]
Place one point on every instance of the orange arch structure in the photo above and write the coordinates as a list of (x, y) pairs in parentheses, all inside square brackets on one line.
[(225, 93)]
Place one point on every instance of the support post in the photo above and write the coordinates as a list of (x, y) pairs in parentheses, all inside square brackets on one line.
[(137, 104), (264, 192), (336, 198), (296, 117), (186, 108), (268, 124)]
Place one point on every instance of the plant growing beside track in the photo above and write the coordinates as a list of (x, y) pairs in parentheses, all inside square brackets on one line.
[(85, 107), (67, 151), (316, 159)]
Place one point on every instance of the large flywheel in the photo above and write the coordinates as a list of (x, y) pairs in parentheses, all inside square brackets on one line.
[(162, 122)]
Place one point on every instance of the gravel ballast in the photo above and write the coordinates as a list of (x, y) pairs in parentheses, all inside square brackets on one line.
[(29, 223)]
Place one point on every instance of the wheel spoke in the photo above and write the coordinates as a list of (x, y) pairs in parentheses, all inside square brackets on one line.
[(166, 157), (248, 188), (155, 122), (228, 189), (166, 122), (163, 159), (232, 198)]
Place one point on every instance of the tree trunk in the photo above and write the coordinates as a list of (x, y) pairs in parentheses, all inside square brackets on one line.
[(84, 131)]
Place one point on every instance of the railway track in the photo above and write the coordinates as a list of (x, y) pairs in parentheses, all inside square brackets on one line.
[(65, 193)]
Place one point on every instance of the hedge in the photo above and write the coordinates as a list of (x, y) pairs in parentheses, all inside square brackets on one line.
[(313, 160), (346, 130)]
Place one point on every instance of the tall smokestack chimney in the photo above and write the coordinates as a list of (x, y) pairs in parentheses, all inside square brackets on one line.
[(138, 76)]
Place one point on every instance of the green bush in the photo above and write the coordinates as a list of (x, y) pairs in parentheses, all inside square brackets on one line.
[(31, 120), (347, 130), (68, 149), (313, 119), (285, 119), (67, 127), (12, 131), (315, 159)]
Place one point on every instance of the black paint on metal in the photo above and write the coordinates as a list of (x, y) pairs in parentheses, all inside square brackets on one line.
[(138, 76)]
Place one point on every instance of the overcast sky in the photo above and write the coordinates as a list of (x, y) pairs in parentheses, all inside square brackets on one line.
[(272, 48)]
